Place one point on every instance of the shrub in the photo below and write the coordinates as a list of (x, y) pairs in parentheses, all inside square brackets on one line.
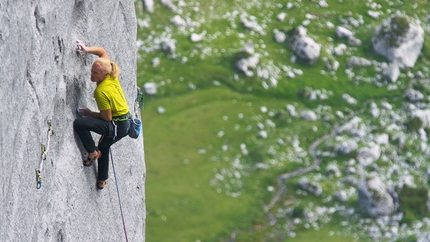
[(398, 27), (414, 124), (413, 203)]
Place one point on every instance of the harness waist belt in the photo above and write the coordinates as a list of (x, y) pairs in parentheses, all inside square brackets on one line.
[(121, 118)]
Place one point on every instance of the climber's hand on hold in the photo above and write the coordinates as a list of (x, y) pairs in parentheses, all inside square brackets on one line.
[(84, 111), (81, 46)]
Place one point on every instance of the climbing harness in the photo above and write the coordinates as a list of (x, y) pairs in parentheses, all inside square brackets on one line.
[(45, 150), (119, 197)]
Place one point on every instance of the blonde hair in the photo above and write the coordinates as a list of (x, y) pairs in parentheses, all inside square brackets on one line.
[(108, 66)]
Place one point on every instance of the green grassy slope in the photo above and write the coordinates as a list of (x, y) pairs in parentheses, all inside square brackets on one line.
[(182, 205), (200, 185)]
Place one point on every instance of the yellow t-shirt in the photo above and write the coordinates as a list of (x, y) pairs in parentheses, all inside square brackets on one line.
[(109, 95)]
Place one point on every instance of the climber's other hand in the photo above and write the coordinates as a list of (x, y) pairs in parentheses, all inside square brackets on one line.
[(84, 111), (81, 46)]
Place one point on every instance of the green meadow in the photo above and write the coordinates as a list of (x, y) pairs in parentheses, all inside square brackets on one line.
[(210, 173)]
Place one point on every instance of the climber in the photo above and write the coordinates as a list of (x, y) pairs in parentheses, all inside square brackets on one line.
[(112, 120)]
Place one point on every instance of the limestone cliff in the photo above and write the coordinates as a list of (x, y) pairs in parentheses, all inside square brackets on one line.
[(45, 79)]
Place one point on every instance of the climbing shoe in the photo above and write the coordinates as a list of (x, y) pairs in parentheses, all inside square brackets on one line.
[(90, 160), (101, 184)]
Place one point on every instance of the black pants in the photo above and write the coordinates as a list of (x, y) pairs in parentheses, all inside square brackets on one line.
[(83, 126)]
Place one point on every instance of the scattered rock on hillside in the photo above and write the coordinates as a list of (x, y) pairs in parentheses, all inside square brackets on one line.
[(400, 39), (246, 65), (303, 46), (349, 99), (322, 3), (358, 61), (279, 36), (155, 62), (369, 154), (331, 64), (196, 37), (168, 45), (339, 50), (150, 88), (346, 147), (310, 186), (332, 169), (343, 32), (354, 41), (414, 95), (171, 6), (149, 5), (375, 198), (281, 16), (424, 237), (250, 61), (391, 72), (308, 115), (250, 22), (248, 48), (424, 115), (341, 196), (291, 110)]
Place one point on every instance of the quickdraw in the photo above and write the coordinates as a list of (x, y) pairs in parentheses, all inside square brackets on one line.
[(139, 98), (44, 152)]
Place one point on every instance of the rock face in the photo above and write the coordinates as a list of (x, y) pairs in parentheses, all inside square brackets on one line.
[(400, 40), (44, 78)]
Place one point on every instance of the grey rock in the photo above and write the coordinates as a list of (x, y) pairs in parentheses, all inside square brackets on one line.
[(331, 64), (281, 16), (262, 134), (391, 72), (354, 41), (44, 78), (423, 237), (291, 110), (414, 95), (375, 198), (351, 181), (308, 115), (155, 62), (332, 169), (373, 14), (196, 37), (303, 46), (149, 5), (424, 115), (150, 88), (346, 147), (248, 47), (250, 22), (172, 7), (399, 44), (246, 65), (339, 50), (368, 155), (279, 36), (341, 196), (168, 45), (310, 186), (358, 61), (343, 32)]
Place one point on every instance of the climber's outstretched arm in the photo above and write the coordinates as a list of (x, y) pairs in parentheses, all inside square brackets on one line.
[(99, 51)]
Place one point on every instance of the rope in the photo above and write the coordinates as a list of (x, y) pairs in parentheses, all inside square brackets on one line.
[(45, 150), (119, 197)]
